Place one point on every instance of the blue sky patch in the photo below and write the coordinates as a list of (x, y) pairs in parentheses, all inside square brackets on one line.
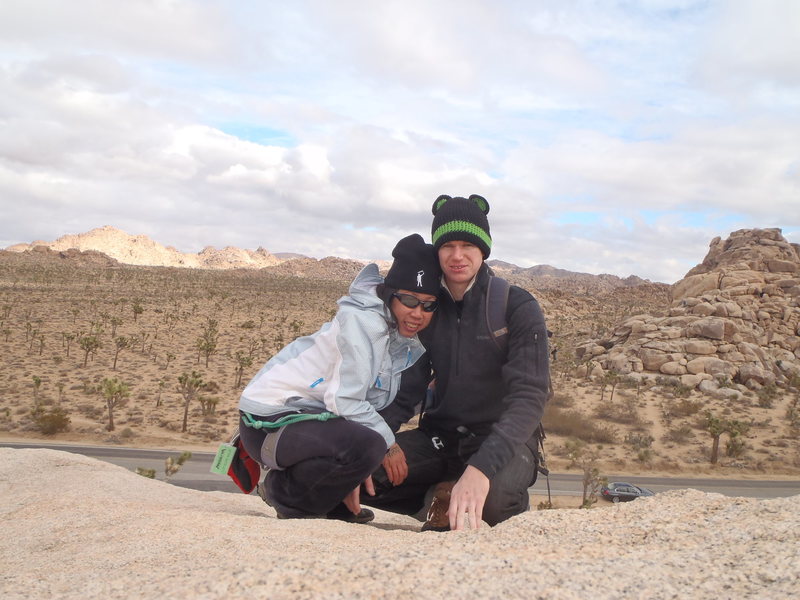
[(259, 134)]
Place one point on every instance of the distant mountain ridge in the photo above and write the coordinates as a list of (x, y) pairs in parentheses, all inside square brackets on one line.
[(143, 251), (547, 277)]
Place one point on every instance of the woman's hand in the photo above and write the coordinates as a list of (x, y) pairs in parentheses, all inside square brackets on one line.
[(394, 463)]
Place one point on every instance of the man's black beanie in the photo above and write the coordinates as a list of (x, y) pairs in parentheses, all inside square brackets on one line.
[(461, 220), (415, 267)]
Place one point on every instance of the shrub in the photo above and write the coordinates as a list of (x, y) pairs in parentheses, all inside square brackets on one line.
[(793, 414), (571, 423), (51, 422), (639, 441), (624, 412), (674, 386), (766, 395), (681, 434), (562, 400), (735, 447)]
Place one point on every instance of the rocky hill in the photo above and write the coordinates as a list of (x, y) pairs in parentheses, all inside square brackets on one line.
[(545, 277), (44, 255), (331, 268), (733, 323), (141, 250)]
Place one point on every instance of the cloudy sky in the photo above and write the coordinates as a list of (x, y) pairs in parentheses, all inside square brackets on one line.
[(608, 136)]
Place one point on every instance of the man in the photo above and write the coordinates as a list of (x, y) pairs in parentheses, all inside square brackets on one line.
[(486, 403)]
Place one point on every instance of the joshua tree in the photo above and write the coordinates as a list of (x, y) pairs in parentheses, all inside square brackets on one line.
[(207, 342), (137, 308), (161, 385), (37, 384), (143, 337), (115, 322), (243, 361), (173, 465), (89, 345), (189, 386), (611, 378), (716, 427), (585, 458), (121, 343), (67, 339), (296, 325), (114, 392)]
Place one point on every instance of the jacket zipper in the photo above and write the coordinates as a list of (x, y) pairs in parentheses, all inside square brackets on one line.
[(458, 345)]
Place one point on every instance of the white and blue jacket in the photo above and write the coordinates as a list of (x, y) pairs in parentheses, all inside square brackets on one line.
[(350, 367)]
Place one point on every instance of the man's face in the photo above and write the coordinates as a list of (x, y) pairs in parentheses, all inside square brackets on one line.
[(460, 261)]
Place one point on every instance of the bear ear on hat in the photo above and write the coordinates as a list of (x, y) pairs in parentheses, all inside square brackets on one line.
[(440, 201), (481, 203)]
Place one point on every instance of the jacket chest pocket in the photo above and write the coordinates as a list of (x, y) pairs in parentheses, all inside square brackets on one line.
[(380, 393)]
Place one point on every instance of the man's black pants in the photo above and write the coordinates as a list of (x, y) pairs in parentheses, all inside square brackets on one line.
[(432, 459)]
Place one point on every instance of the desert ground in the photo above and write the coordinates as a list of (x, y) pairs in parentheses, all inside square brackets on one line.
[(151, 327)]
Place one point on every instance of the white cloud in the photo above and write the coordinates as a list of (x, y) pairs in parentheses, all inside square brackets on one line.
[(668, 120)]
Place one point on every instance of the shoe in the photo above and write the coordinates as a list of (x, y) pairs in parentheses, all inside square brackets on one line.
[(437, 519), (342, 513), (261, 488)]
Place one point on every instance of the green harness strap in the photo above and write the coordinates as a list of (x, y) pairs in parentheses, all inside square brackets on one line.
[(287, 420)]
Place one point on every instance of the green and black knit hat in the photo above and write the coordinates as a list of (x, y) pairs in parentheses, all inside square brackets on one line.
[(461, 219)]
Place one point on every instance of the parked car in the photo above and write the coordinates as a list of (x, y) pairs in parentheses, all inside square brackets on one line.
[(619, 491)]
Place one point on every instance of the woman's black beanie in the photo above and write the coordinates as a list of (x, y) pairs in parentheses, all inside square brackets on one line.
[(415, 267)]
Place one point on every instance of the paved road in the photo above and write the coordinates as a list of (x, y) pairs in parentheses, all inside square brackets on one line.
[(195, 474)]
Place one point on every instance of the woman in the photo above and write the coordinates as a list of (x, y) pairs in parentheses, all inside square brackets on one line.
[(310, 415)]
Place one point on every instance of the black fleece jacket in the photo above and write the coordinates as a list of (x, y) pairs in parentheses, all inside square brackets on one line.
[(497, 396)]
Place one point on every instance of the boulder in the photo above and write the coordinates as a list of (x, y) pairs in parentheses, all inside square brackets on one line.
[(619, 362), (750, 372), (727, 394), (653, 359), (703, 310), (695, 285), (782, 266), (714, 328), (691, 381), (699, 347), (728, 309), (673, 368), (712, 366)]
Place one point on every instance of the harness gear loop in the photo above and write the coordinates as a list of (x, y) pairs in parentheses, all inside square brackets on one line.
[(286, 420)]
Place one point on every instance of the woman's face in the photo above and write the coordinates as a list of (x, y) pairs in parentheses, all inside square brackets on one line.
[(410, 321)]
